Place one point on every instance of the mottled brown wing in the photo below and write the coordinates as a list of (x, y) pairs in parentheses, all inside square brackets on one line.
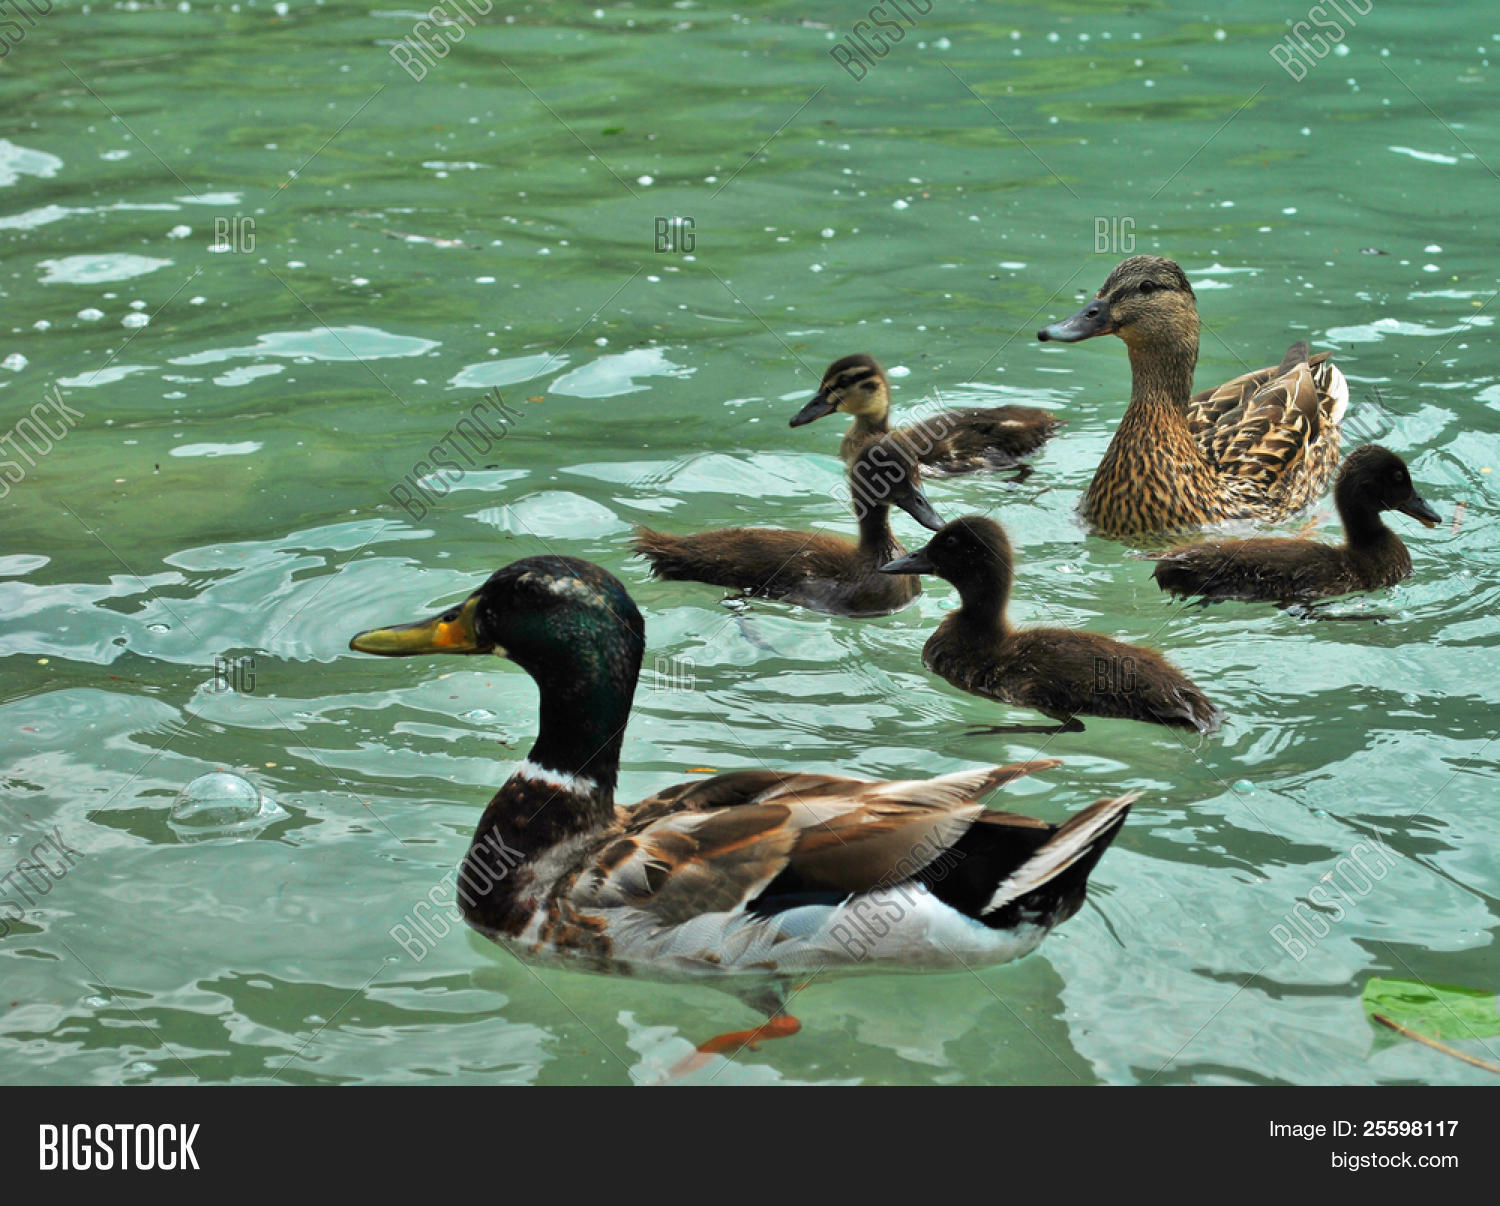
[(1221, 406), (688, 864), (725, 838), (1266, 440)]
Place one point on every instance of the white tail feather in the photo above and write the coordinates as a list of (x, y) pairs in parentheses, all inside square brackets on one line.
[(1338, 391)]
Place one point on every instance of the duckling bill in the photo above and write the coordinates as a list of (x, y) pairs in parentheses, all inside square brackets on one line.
[(950, 443), (1062, 673), (748, 879), (1372, 480), (811, 569)]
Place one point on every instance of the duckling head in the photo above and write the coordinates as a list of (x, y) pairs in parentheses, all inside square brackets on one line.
[(885, 473), (1145, 300), (1374, 479), (561, 619), (856, 385), (972, 552)]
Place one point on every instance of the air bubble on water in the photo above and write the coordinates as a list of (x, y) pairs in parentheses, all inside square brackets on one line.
[(135, 320), (220, 804), (157, 628), (1243, 785), (90, 314), (41, 324), (140, 1068), (96, 1002), (477, 714), (15, 362)]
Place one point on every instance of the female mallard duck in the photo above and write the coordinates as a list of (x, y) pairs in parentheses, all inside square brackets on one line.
[(749, 877), (953, 442), (1373, 479), (825, 573), (1061, 673), (1262, 446)]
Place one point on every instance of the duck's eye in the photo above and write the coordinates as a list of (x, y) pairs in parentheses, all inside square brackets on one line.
[(869, 387), (450, 616), (1148, 287)]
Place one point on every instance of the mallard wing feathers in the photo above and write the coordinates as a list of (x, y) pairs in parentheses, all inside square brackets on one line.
[(1213, 406), (714, 845), (1281, 441)]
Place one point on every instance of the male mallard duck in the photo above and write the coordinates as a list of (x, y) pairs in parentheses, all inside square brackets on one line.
[(1262, 446), (1373, 479), (1061, 673), (826, 573), (749, 877), (953, 442)]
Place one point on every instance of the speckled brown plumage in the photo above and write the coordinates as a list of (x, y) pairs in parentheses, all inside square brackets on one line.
[(949, 443), (1372, 480), (1060, 672), (1262, 446), (811, 569)]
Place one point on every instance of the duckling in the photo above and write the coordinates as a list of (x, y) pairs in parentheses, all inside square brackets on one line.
[(1262, 446), (1059, 672), (1373, 479), (811, 569), (947, 444), (748, 879)]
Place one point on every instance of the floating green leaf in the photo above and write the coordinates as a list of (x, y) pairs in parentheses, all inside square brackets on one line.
[(1445, 1011)]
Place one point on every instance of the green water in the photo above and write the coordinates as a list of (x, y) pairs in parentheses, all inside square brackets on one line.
[(226, 494)]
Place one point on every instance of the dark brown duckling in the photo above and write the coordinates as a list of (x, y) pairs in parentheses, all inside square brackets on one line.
[(1061, 673), (811, 569), (1373, 479), (953, 442)]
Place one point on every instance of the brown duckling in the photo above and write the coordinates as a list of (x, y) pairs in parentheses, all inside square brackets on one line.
[(1061, 673), (1262, 446), (812, 569), (950, 443), (1373, 479)]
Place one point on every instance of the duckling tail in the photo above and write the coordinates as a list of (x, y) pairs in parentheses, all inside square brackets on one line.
[(1200, 712), (665, 553), (1049, 887)]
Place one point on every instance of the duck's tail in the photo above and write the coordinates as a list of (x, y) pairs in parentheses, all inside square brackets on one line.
[(664, 552), (1331, 383), (1049, 887)]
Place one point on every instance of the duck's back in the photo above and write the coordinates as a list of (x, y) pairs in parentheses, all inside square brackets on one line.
[(967, 441), (1273, 435), (825, 573), (1064, 673), (1278, 571)]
